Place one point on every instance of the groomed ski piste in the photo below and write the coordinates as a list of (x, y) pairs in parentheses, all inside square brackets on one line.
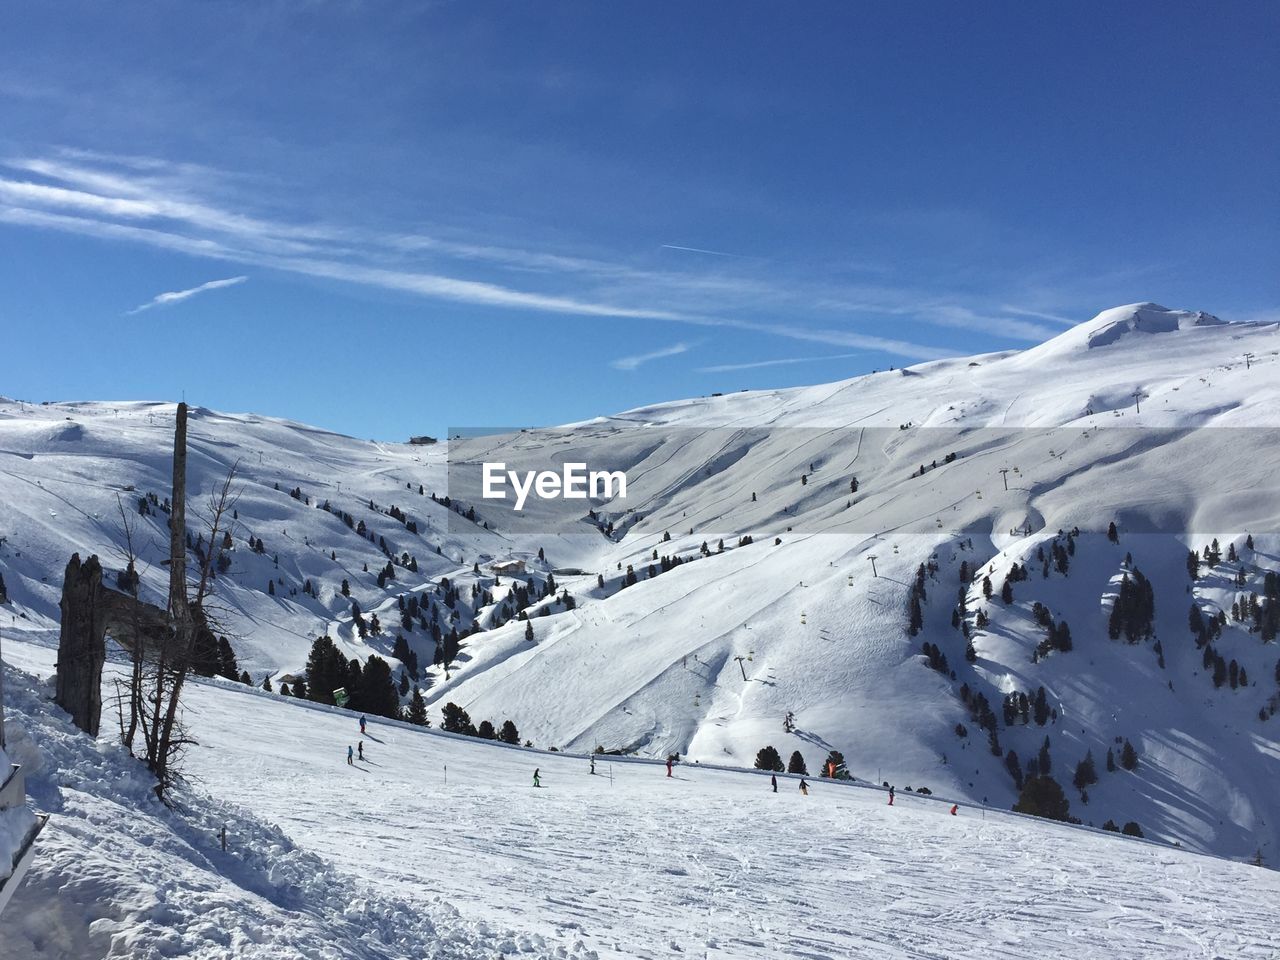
[(439, 846)]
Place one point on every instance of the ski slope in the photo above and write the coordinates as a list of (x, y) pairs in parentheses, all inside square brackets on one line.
[(438, 846), (707, 658)]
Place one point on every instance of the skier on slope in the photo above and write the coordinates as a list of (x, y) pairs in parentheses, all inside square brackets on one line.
[(670, 763), (362, 725), (804, 786), (361, 749), (593, 764), (774, 780), (954, 808), (891, 796), (537, 782), (350, 754)]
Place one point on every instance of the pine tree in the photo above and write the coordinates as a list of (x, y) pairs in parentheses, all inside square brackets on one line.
[(486, 731), (417, 709), (1044, 762), (456, 720), (1014, 767), (1193, 565), (509, 733), (1128, 756), (796, 764), (376, 691), (1112, 533), (768, 759), (1086, 774), (266, 683), (1040, 707), (1111, 761), (1006, 591), (1131, 829), (528, 630), (916, 620), (986, 587)]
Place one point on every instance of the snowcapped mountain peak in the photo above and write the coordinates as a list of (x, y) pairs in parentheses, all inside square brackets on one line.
[(1119, 323), (1133, 327), (1132, 324)]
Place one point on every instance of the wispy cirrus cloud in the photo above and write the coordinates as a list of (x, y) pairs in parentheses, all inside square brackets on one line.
[(702, 250), (638, 360), (216, 215), (1040, 314), (177, 296), (780, 362)]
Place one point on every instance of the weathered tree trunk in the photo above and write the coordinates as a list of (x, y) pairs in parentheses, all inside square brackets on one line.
[(81, 646), (178, 658)]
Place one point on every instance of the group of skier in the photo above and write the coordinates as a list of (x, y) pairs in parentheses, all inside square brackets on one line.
[(358, 753)]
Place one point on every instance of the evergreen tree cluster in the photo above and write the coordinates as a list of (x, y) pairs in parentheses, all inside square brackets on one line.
[(1057, 635), (1134, 609), (1042, 796), (457, 720), (402, 652), (370, 689), (936, 659), (213, 656), (1086, 772), (915, 618)]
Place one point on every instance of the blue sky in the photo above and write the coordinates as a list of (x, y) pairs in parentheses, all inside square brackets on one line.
[(406, 216)]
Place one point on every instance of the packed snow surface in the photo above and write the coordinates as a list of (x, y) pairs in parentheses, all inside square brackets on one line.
[(439, 846)]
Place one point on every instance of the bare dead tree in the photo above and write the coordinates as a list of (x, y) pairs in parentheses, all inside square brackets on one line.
[(174, 656), (165, 738), (137, 653)]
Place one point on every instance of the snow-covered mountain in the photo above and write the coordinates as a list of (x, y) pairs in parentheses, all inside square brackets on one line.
[(1160, 421)]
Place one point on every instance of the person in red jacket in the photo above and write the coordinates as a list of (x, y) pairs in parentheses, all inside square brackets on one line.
[(954, 808), (670, 762), (891, 796)]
